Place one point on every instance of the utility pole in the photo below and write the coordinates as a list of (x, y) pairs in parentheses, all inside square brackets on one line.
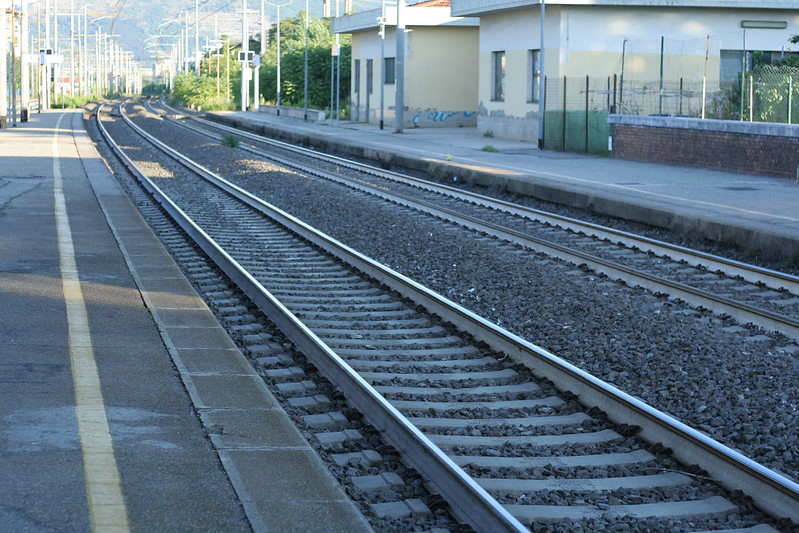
[(14, 64), (256, 82), (277, 92), (197, 57), (245, 48), (4, 70), (399, 68), (185, 36), (72, 47), (338, 71), (305, 88), (25, 82), (382, 62), (542, 80)]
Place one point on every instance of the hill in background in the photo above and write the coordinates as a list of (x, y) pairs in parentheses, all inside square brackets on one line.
[(134, 21)]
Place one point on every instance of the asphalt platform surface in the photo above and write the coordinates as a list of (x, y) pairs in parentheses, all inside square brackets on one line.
[(125, 406)]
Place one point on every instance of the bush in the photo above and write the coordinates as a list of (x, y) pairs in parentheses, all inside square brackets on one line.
[(74, 102)]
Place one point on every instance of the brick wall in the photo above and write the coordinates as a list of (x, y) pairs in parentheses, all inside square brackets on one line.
[(754, 148)]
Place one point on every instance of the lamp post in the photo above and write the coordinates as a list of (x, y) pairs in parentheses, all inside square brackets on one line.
[(245, 46), (256, 79), (278, 6), (100, 79), (305, 87), (338, 72), (382, 62), (399, 69), (542, 81), (3, 67), (25, 83), (197, 57)]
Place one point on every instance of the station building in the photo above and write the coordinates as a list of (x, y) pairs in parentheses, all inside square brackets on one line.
[(485, 55), (440, 64)]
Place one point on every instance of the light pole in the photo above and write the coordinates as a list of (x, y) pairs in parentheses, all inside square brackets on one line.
[(278, 6), (197, 38), (541, 81), (186, 55), (245, 48), (3, 67), (382, 62), (100, 73), (399, 69), (305, 88), (25, 88), (256, 80), (338, 72)]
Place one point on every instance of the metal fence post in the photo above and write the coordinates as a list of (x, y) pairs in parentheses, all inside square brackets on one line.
[(564, 114), (586, 112)]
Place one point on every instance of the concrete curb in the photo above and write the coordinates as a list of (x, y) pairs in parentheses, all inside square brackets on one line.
[(772, 245)]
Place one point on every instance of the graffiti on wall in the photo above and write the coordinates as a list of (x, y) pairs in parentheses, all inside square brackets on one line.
[(450, 119)]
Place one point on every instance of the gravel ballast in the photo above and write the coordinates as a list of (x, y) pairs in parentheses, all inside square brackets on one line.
[(736, 383)]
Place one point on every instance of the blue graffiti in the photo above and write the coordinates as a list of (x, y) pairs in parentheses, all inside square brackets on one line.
[(441, 116)]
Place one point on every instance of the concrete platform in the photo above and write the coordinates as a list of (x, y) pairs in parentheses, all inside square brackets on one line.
[(755, 213), (113, 371)]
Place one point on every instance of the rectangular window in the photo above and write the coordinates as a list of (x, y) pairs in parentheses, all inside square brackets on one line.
[(369, 75), (357, 76), (534, 75), (732, 64), (389, 72), (498, 68)]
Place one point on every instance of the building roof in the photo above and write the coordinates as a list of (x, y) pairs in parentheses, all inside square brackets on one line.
[(463, 8), (425, 13), (432, 3)]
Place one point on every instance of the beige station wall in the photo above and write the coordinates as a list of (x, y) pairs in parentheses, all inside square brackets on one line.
[(441, 69)]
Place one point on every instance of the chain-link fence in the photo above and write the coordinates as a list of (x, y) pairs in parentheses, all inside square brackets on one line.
[(770, 94), (713, 78)]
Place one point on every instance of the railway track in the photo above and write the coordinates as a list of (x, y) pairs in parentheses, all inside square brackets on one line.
[(750, 294), (428, 371)]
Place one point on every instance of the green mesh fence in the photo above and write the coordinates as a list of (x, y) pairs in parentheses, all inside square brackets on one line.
[(576, 114)]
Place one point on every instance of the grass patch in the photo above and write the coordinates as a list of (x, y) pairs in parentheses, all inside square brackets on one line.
[(230, 141), (489, 148)]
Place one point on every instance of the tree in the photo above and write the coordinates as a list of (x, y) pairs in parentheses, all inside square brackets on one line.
[(292, 43), (201, 92), (790, 61)]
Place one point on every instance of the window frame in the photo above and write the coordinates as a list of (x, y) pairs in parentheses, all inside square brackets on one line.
[(389, 73), (533, 75), (499, 65)]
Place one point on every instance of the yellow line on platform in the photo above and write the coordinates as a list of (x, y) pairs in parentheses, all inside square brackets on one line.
[(107, 510)]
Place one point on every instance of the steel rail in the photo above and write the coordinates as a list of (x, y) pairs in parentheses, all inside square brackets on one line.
[(771, 491), (742, 312), (470, 502), (752, 273)]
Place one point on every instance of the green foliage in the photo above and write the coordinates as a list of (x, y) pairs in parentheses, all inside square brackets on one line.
[(769, 92), (196, 92), (489, 148), (74, 102), (154, 89), (230, 141), (292, 63), (202, 92)]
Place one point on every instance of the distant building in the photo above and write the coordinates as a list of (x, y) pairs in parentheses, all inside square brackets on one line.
[(440, 65), (603, 38)]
